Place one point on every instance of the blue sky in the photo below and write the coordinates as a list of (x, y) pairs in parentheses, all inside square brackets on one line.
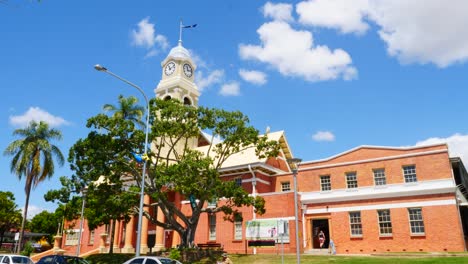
[(332, 74)]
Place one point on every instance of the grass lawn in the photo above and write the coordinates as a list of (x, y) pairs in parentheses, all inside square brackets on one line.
[(291, 259)]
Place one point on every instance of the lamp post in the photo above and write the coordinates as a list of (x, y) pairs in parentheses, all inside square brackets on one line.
[(143, 174), (83, 197), (294, 164)]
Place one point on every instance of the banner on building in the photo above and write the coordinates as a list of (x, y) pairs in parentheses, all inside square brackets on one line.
[(267, 232)]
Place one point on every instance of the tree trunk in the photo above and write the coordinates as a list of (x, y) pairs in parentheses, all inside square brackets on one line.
[(188, 236), (2, 234), (25, 213), (112, 233)]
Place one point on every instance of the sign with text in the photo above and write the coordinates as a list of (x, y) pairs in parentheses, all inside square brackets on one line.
[(267, 230)]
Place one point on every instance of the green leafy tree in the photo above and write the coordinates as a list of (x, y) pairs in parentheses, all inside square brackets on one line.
[(176, 167), (99, 154), (10, 215), (68, 200), (127, 109), (45, 222), (173, 166), (33, 158)]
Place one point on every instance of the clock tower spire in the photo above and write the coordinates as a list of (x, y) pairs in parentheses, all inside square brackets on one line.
[(178, 75)]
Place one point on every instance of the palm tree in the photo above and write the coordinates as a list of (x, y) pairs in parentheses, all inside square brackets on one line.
[(33, 158), (127, 109)]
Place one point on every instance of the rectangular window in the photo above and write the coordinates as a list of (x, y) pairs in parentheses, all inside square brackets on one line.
[(238, 181), (409, 172), (385, 223), (238, 227), (71, 238), (351, 180), (212, 226), (91, 237), (355, 223), (285, 186), (325, 183), (416, 221), (379, 177)]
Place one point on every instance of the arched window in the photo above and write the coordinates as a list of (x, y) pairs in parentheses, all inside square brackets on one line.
[(167, 98), (187, 101)]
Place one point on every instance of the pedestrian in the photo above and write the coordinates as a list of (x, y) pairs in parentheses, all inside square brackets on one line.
[(321, 238), (226, 259)]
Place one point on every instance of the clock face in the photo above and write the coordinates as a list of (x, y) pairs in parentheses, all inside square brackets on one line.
[(170, 68), (188, 70)]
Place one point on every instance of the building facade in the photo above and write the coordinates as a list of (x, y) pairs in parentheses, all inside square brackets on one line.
[(368, 199)]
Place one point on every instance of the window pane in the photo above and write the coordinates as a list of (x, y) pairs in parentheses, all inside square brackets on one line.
[(355, 223), (285, 186), (325, 183), (409, 173), (212, 227), (379, 177), (416, 221), (351, 180), (385, 223)]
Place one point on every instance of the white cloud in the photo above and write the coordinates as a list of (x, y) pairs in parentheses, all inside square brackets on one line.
[(323, 136), (230, 89), (255, 77), (162, 41), (423, 31), (33, 210), (457, 143), (293, 53), (416, 31), (37, 114), (343, 15), (144, 36), (279, 11), (213, 77)]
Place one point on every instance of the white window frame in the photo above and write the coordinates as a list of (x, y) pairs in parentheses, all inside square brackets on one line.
[(286, 186), (355, 224), (212, 227), (351, 180), (409, 173), (238, 229), (71, 238), (380, 179), (91, 237), (416, 221), (325, 181), (385, 222)]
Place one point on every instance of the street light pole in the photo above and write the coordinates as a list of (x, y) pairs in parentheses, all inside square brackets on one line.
[(83, 197), (294, 164), (143, 174)]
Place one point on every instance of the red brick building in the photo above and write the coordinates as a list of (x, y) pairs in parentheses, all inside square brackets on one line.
[(368, 199)]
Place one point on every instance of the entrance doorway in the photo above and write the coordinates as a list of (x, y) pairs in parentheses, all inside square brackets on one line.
[(320, 225)]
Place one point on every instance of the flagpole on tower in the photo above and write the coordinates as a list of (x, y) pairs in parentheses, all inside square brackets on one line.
[(180, 32), (181, 27)]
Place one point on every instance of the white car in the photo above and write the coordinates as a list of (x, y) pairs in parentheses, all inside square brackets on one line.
[(151, 260), (15, 259)]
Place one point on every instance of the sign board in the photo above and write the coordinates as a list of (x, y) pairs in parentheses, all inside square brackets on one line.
[(16, 236), (276, 230)]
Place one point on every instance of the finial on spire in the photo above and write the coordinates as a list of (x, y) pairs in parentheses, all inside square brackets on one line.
[(180, 30)]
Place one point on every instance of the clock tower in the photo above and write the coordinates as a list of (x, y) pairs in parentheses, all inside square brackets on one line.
[(178, 77)]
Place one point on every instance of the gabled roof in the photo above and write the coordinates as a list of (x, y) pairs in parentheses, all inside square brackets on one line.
[(371, 152), (240, 161)]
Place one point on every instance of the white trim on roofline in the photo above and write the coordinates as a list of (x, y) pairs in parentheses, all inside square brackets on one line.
[(253, 165), (381, 206), (374, 159), (374, 147), (256, 180), (379, 192)]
